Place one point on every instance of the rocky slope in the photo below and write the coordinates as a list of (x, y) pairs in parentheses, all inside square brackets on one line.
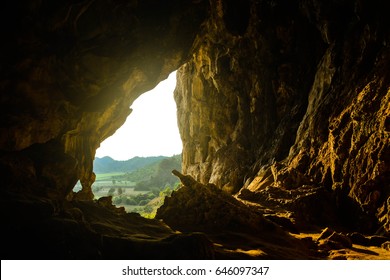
[(283, 109)]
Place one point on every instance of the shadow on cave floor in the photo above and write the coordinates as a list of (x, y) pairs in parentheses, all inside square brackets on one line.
[(39, 228), (128, 235)]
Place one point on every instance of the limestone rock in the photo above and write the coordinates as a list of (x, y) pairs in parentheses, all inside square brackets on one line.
[(284, 222), (386, 245), (177, 246), (199, 207), (330, 240), (306, 206), (358, 238), (106, 201), (325, 234), (378, 240), (241, 118)]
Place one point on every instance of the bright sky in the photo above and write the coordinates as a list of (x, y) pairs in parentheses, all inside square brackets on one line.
[(150, 130)]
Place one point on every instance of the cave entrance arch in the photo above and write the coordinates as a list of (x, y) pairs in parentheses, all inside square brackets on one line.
[(134, 164)]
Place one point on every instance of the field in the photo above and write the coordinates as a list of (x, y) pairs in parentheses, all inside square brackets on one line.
[(105, 181), (123, 194), (103, 191), (107, 176), (109, 179)]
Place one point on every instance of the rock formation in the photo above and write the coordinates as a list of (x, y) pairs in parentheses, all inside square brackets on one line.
[(296, 95), (283, 109)]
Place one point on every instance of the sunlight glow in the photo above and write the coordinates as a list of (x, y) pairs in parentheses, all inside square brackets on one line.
[(150, 130)]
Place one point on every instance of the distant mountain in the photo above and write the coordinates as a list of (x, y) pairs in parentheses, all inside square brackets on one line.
[(109, 165), (156, 175)]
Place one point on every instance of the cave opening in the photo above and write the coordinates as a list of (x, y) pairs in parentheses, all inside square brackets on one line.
[(134, 165), (282, 108)]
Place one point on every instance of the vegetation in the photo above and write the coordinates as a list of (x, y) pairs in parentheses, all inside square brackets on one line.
[(109, 165), (107, 176), (140, 190)]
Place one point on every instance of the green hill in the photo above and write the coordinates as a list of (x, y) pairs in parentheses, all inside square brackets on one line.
[(109, 165), (155, 175)]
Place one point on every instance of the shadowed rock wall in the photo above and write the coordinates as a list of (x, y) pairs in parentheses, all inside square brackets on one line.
[(70, 71)]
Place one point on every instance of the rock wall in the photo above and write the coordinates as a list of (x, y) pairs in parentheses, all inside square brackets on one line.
[(247, 88), (296, 94)]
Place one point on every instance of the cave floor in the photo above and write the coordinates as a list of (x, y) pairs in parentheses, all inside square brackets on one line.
[(88, 230), (152, 238), (356, 252)]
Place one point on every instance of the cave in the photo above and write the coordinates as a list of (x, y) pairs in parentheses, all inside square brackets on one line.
[(283, 110)]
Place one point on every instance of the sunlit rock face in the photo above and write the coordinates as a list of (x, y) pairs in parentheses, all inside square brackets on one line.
[(247, 86), (295, 95)]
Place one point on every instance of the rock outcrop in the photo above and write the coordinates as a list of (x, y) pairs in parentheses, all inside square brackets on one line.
[(206, 208), (283, 109)]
